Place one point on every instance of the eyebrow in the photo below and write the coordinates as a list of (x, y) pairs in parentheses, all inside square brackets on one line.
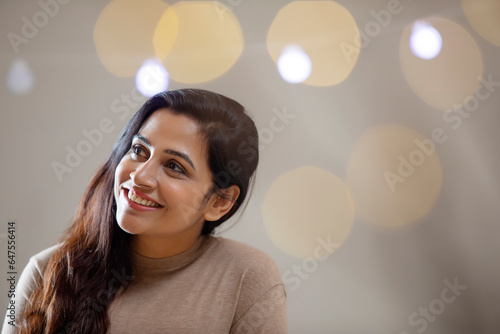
[(168, 151)]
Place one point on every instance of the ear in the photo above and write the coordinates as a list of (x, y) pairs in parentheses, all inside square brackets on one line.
[(221, 203)]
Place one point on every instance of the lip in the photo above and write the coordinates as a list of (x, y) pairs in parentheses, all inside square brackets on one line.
[(143, 195), (137, 206)]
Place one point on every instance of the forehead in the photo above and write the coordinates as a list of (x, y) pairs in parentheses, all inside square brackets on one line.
[(166, 130)]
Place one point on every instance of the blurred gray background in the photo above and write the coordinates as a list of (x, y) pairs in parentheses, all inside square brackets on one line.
[(414, 228)]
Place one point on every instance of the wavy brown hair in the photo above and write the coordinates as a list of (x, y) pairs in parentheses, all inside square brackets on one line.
[(79, 282)]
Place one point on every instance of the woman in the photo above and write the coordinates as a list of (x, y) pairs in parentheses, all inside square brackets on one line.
[(139, 256)]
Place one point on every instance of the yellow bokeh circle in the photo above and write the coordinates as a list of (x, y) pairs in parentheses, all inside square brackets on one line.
[(325, 31), (198, 41), (308, 212), (484, 17), (394, 175), (123, 34), (448, 80)]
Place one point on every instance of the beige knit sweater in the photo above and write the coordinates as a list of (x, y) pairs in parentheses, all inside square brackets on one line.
[(217, 286)]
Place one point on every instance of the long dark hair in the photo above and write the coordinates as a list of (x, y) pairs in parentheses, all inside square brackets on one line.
[(76, 289)]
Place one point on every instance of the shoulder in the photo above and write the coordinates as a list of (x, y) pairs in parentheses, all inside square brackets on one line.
[(39, 261), (256, 271), (261, 304), (239, 249), (35, 268), (246, 258), (30, 278)]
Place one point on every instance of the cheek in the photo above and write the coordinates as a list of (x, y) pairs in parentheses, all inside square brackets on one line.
[(120, 177), (179, 193), (188, 194), (172, 191)]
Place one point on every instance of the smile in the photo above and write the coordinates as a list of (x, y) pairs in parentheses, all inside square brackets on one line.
[(141, 201)]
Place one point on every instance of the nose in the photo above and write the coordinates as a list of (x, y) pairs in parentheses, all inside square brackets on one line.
[(144, 175)]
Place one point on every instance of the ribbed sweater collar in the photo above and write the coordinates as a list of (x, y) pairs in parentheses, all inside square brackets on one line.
[(141, 263)]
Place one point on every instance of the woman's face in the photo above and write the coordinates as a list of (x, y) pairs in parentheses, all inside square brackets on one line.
[(162, 182)]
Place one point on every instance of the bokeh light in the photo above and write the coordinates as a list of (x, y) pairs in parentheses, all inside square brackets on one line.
[(20, 78), (306, 206), (152, 78), (294, 64), (425, 40), (198, 41), (123, 34), (484, 17), (327, 33), (394, 175), (448, 80)]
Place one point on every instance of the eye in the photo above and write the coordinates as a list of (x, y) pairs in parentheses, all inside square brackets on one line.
[(174, 166), (137, 151)]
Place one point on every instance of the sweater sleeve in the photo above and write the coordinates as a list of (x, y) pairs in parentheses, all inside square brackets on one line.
[(31, 275), (266, 316), (261, 305)]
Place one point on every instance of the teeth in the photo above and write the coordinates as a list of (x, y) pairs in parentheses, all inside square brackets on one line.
[(142, 201)]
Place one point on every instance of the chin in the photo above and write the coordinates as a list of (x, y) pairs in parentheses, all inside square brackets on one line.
[(129, 228)]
